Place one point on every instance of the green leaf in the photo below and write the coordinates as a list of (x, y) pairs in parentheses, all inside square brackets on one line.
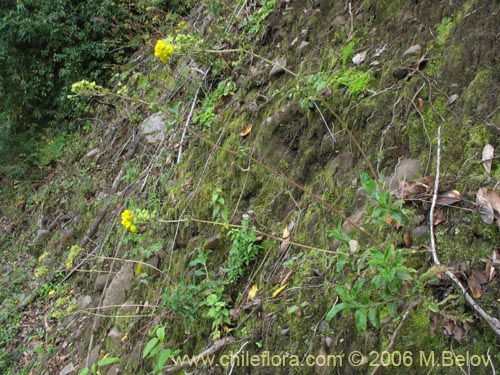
[(108, 361), (373, 316), (335, 310), (160, 333), (150, 345), (162, 359), (342, 292), (360, 319), (357, 287), (84, 371)]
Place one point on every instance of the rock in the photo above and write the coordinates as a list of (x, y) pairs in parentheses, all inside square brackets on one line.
[(278, 65), (323, 326), (401, 72), (338, 21), (95, 354), (414, 50), (285, 114), (420, 235), (405, 170), (153, 128), (91, 153), (303, 45), (84, 302), (68, 369), (100, 282), (115, 335), (116, 292)]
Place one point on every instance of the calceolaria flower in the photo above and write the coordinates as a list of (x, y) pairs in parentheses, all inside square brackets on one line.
[(127, 221), (163, 50)]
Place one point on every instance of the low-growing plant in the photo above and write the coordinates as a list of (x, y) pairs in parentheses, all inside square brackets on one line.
[(156, 350)]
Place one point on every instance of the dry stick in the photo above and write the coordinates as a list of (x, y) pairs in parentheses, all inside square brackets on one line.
[(188, 120), (395, 333), (291, 182), (494, 323)]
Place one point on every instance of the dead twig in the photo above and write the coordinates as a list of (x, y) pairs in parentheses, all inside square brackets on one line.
[(494, 323)]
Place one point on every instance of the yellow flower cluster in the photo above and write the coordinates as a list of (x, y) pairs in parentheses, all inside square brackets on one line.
[(127, 217), (163, 50)]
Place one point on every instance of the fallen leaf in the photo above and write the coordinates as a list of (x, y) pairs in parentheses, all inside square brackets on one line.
[(278, 291), (246, 131), (138, 270), (285, 279), (474, 286), (420, 103), (485, 197), (288, 230), (484, 207), (407, 238), (448, 198), (412, 189), (480, 276), (285, 245), (452, 99), (439, 218), (253, 292), (359, 58), (488, 152)]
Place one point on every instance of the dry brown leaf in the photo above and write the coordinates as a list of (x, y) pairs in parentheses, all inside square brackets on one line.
[(285, 279), (420, 103), (474, 286), (480, 276), (285, 245), (407, 238), (488, 153), (439, 218), (448, 198), (246, 131), (288, 230), (412, 189), (484, 207)]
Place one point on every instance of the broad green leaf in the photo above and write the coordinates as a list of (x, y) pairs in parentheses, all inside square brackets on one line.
[(162, 359), (342, 292), (108, 361), (160, 333), (335, 310), (150, 345), (360, 319), (84, 371), (373, 316)]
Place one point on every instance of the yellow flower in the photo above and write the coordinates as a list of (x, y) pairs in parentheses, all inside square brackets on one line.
[(163, 50), (133, 229)]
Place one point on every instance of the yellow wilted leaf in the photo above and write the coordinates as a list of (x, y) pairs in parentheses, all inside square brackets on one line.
[(124, 337), (138, 270), (288, 230), (253, 292), (278, 291), (247, 130)]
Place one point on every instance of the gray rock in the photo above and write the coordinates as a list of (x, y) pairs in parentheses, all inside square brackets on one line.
[(100, 282), (116, 293), (84, 302), (279, 64), (420, 235), (153, 128), (405, 170)]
